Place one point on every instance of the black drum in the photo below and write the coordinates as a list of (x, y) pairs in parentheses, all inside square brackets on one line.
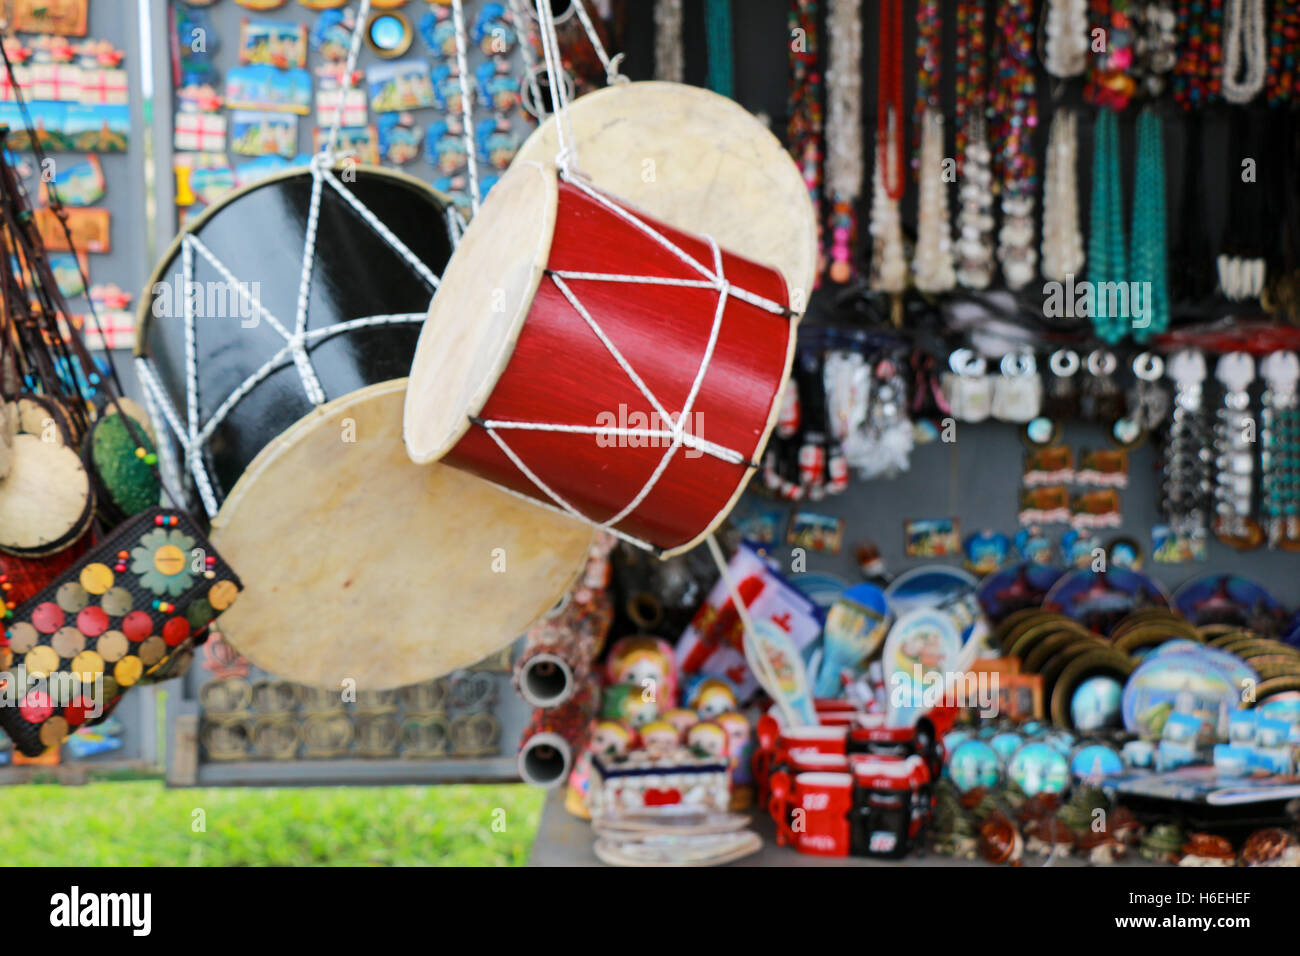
[(229, 356)]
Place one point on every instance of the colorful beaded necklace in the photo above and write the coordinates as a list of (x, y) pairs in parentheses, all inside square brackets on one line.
[(1015, 117), (844, 155), (1199, 71), (1283, 53), (804, 126), (929, 71)]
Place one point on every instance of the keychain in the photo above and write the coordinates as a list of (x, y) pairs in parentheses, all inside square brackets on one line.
[(1061, 400), (967, 388), (1188, 484), (1148, 402), (1018, 391), (1234, 449), (1101, 399), (1280, 450)]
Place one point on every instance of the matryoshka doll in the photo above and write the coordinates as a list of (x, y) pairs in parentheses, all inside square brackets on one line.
[(712, 698), (660, 738), (647, 662), (682, 718), (739, 747), (611, 738), (709, 739)]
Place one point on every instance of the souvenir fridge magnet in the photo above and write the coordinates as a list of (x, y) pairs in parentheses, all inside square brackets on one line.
[(90, 230), (816, 532), (1048, 504), (271, 43), (334, 103), (199, 132), (399, 137), (76, 184), (931, 538), (1168, 547), (1050, 465), (260, 5), (262, 87), (1103, 468), (493, 30), (986, 551), (389, 35), (760, 525), (497, 142), (362, 142), (498, 86), (1124, 553), (322, 4), (331, 37), (1095, 509), (400, 85), (1034, 546), (260, 133), (59, 17)]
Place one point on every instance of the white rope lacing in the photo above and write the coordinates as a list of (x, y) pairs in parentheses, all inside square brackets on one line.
[(526, 53), (191, 434), (612, 75), (674, 428), (466, 107), (567, 156)]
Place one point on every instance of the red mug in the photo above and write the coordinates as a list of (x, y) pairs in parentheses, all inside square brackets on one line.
[(820, 813)]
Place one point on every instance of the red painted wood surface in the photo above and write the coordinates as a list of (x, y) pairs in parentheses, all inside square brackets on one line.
[(561, 373)]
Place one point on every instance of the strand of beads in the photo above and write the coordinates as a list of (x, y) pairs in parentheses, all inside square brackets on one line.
[(1244, 26), (1062, 238), (717, 35), (1065, 52), (932, 263), (1156, 45), (844, 159), (1283, 53), (975, 221), (929, 71), (804, 128), (1107, 259), (1015, 107), (888, 260), (1149, 242), (1198, 72), (1279, 457), (1110, 81)]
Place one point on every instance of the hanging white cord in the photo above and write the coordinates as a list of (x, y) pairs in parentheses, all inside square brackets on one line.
[(190, 434), (612, 76), (525, 51), (566, 158), (466, 108)]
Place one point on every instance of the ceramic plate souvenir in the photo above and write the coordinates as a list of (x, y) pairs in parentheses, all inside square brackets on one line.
[(974, 764), (679, 820), (1144, 639), (1230, 599), (1033, 636), (1100, 600), (937, 586), (1158, 618), (821, 589), (1234, 636), (1087, 696), (1057, 663), (1053, 644), (923, 647), (1092, 762), (1005, 625), (1007, 634), (707, 850), (1189, 682), (1279, 698), (1019, 586), (1039, 768)]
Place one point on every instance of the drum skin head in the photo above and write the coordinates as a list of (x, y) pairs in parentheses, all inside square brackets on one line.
[(697, 161), (359, 564)]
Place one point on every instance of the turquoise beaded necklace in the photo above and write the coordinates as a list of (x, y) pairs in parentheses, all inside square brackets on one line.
[(717, 24), (1106, 253), (1148, 243)]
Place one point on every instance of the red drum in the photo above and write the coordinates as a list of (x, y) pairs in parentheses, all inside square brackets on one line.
[(596, 360)]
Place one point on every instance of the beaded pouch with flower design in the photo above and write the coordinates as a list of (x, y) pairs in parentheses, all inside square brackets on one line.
[(120, 614)]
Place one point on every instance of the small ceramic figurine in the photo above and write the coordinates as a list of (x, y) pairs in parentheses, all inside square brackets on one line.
[(1207, 849), (647, 662), (709, 739), (660, 738), (682, 719), (712, 698), (611, 738)]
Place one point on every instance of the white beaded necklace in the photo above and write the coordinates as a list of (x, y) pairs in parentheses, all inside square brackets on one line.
[(932, 263), (888, 261), (1065, 53), (1063, 254), (1244, 29)]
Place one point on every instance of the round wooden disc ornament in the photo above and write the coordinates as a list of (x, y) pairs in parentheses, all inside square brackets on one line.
[(46, 501), (431, 569), (601, 362)]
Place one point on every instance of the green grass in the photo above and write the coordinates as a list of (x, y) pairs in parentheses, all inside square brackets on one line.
[(142, 823)]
